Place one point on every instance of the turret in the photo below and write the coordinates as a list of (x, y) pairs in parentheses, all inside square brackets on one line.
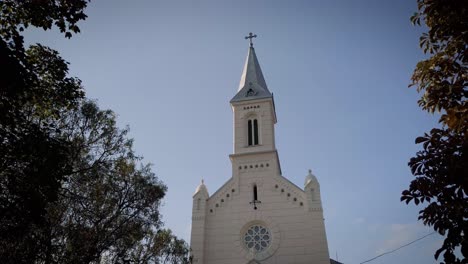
[(199, 210), (312, 190), (201, 190)]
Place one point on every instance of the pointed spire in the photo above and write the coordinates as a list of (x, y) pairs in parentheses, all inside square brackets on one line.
[(252, 84), (252, 73)]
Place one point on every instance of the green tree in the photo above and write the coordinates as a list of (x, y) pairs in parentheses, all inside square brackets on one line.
[(34, 89), (71, 188), (33, 160), (441, 167), (109, 205), (160, 247)]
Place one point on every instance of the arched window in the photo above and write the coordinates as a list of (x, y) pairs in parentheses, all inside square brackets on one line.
[(312, 194), (252, 132), (198, 203), (249, 124), (255, 195), (255, 131)]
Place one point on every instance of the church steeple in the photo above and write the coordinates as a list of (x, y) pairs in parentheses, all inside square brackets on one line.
[(254, 217), (254, 109), (252, 84)]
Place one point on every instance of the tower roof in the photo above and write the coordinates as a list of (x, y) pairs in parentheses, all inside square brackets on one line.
[(252, 84), (310, 178), (201, 188)]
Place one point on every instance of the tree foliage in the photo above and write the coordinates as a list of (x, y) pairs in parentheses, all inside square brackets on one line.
[(441, 167), (34, 160), (17, 15), (71, 188), (157, 247), (109, 205)]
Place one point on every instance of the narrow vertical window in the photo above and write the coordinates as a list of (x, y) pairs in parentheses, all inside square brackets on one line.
[(249, 125), (255, 196), (255, 200), (252, 132), (312, 194), (255, 130), (198, 204)]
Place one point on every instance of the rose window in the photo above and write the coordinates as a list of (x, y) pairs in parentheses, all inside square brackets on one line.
[(257, 238)]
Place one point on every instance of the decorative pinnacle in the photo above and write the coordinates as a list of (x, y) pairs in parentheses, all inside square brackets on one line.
[(202, 181), (250, 37), (310, 171)]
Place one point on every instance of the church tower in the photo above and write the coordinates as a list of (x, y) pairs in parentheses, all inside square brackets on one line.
[(258, 215)]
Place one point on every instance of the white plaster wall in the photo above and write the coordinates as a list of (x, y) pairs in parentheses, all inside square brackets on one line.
[(294, 217), (197, 237), (263, 110), (299, 230)]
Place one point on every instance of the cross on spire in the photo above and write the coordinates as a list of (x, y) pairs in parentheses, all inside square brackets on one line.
[(250, 37)]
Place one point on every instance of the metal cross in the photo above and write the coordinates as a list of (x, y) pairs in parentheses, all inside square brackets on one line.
[(255, 202), (250, 37)]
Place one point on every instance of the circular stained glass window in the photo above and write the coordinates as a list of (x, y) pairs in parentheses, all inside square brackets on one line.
[(257, 238)]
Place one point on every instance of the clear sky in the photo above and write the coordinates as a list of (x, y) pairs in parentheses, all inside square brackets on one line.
[(339, 71)]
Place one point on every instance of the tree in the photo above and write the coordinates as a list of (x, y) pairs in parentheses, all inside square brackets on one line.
[(441, 167), (34, 89), (71, 188), (160, 247), (108, 206)]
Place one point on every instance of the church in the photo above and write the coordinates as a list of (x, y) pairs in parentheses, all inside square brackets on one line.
[(258, 215)]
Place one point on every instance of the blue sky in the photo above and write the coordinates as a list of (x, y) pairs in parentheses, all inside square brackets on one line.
[(339, 71)]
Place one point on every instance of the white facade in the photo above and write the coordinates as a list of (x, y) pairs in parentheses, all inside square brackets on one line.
[(257, 216)]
